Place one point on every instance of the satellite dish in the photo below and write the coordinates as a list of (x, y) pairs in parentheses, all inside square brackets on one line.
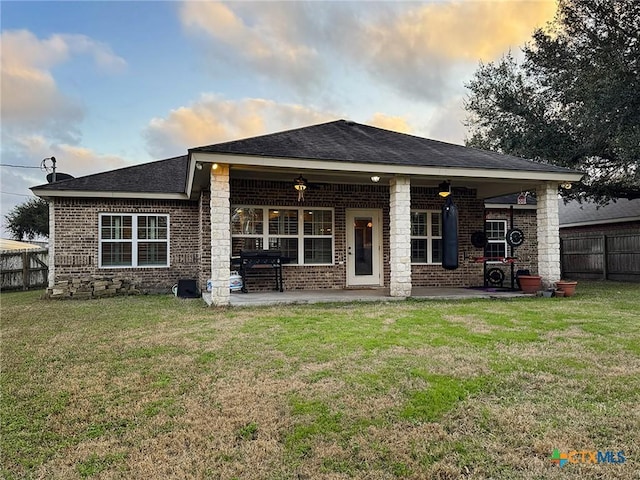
[(59, 176)]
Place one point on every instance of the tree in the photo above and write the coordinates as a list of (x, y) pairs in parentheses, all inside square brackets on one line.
[(29, 219), (573, 101)]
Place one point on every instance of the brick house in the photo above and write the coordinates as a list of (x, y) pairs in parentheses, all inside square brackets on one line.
[(366, 211)]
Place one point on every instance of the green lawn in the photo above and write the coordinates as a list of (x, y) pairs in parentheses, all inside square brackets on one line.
[(159, 387)]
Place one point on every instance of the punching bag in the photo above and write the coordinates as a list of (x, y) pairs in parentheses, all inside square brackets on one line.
[(449, 235)]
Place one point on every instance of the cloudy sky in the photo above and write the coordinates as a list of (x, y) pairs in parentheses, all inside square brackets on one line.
[(105, 84)]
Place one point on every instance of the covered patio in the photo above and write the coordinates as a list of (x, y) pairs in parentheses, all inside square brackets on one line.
[(379, 193)]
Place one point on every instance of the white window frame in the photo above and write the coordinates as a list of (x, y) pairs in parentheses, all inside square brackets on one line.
[(502, 241), (264, 236), (429, 237), (134, 239)]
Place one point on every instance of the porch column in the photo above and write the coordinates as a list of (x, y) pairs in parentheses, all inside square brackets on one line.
[(400, 236), (220, 235), (51, 274), (548, 233)]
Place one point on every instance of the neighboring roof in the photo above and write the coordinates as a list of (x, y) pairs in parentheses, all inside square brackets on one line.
[(162, 176), (7, 245), (348, 141), (575, 214), (508, 200)]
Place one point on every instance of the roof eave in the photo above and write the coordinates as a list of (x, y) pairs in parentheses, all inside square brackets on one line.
[(44, 193), (600, 222), (391, 169)]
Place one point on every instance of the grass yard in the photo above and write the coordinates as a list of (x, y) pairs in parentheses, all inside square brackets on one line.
[(159, 387)]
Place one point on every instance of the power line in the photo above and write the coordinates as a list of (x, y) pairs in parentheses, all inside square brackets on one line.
[(16, 166), (17, 194)]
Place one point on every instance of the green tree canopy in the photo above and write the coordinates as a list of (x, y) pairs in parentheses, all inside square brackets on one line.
[(29, 219), (574, 99)]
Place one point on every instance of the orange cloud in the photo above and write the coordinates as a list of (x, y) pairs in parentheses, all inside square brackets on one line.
[(397, 124), (29, 92), (212, 119), (468, 31)]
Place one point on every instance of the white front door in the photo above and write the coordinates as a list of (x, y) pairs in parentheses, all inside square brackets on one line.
[(364, 247)]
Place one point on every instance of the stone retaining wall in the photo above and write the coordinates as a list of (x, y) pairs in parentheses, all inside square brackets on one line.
[(82, 288)]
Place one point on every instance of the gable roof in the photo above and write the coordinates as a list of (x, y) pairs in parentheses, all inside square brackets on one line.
[(347, 141), (574, 213), (162, 176)]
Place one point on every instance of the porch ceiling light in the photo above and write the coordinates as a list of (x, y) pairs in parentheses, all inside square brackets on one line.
[(566, 185), (444, 189), (375, 178), (300, 184)]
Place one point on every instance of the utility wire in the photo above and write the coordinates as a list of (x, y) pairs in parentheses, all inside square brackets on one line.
[(17, 194), (16, 166)]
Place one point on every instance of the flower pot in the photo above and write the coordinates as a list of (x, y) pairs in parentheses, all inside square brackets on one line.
[(568, 287), (559, 293), (530, 283)]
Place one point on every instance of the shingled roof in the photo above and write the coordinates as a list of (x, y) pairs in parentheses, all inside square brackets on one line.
[(588, 213), (162, 176), (348, 141), (338, 141)]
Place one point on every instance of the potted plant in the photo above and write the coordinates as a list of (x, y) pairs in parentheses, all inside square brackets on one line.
[(530, 283), (567, 286)]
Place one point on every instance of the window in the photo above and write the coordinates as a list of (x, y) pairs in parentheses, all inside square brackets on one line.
[(496, 231), (426, 236), (304, 236), (134, 240)]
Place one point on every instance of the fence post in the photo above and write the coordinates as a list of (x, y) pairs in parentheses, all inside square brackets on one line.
[(25, 271), (605, 259)]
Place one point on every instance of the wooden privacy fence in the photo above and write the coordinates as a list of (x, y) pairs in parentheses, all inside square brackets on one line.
[(608, 257), (24, 269)]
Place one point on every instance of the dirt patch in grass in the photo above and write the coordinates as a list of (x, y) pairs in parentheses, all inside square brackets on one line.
[(473, 323)]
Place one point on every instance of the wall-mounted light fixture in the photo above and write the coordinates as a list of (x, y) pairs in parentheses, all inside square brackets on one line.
[(566, 185), (375, 178), (199, 166), (444, 189), (300, 184)]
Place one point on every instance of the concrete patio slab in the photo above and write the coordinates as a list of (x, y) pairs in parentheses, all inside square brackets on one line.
[(239, 299)]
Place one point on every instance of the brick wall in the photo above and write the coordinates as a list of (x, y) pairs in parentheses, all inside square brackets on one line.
[(336, 196), (470, 219), (527, 253), (342, 197), (76, 222), (76, 238)]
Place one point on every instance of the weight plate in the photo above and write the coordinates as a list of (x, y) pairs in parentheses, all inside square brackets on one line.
[(515, 237), (478, 239), (495, 276)]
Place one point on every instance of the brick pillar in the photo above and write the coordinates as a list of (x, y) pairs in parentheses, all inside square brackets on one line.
[(548, 233), (220, 235), (51, 274), (400, 236)]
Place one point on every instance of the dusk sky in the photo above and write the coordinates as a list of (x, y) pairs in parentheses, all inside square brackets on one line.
[(106, 84)]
